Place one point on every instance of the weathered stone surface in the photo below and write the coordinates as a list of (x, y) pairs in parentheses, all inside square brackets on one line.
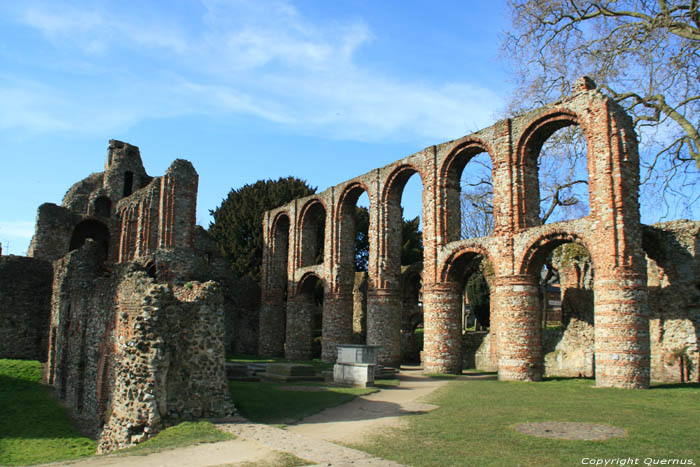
[(611, 232), (118, 285), (25, 297)]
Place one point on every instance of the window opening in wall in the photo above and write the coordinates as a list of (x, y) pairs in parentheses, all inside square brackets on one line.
[(93, 229), (475, 195), (361, 233), (280, 259), (313, 234), (411, 221), (128, 183), (562, 173)]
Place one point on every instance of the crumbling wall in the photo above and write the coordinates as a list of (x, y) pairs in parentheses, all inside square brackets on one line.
[(168, 357), (673, 270), (25, 297), (136, 327)]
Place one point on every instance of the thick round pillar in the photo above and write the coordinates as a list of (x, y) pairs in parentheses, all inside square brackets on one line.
[(384, 325), (442, 323), (271, 332), (300, 312), (337, 324), (519, 328), (621, 332)]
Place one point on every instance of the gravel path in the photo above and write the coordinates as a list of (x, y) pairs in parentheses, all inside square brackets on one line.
[(311, 439)]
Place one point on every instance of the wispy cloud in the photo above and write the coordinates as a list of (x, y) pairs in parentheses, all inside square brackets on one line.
[(264, 60)]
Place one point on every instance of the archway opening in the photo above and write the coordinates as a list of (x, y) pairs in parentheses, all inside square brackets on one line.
[(94, 230), (564, 273), (304, 320), (472, 273), (412, 313), (353, 262), (469, 193), (313, 227), (556, 172)]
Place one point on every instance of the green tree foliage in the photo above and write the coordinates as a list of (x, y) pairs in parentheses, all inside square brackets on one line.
[(479, 296), (362, 238), (237, 226), (411, 240)]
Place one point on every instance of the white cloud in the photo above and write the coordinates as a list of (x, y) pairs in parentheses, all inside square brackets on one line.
[(15, 236), (257, 58)]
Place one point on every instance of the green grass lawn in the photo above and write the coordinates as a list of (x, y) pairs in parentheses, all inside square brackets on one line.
[(34, 428), (474, 424), (268, 403)]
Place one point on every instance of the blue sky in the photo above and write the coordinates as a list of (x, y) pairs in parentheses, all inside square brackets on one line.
[(245, 90)]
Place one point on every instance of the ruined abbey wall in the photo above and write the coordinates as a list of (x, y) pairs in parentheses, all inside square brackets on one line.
[(117, 298), (25, 294), (611, 232)]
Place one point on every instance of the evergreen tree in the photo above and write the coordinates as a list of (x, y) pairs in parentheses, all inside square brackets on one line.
[(237, 226)]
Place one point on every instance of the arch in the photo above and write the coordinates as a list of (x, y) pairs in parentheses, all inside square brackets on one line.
[(535, 255), (312, 224), (102, 206), (280, 254), (307, 284), (527, 154), (450, 173), (396, 181), (347, 230), (93, 229), (393, 216), (459, 261)]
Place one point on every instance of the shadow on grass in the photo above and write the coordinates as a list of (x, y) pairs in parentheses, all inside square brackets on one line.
[(568, 378), (675, 386), (29, 412)]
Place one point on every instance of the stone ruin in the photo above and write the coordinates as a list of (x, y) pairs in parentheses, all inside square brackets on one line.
[(639, 272), (116, 298)]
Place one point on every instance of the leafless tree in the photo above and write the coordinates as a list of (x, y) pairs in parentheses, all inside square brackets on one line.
[(644, 54), (476, 198)]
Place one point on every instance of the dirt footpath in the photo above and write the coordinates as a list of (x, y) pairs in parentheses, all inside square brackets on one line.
[(311, 439)]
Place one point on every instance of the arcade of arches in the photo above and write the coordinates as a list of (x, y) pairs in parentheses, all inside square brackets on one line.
[(611, 233)]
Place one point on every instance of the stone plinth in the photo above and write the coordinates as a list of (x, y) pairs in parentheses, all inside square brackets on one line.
[(350, 353), (354, 374)]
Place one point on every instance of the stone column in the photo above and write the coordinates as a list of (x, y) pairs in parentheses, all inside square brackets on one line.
[(621, 331), (384, 324), (519, 328), (337, 323), (442, 326), (300, 313)]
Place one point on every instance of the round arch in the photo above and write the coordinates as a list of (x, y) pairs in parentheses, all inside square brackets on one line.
[(535, 254), (307, 283), (529, 146), (396, 181), (93, 229), (280, 230), (449, 175), (458, 262), (311, 225)]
